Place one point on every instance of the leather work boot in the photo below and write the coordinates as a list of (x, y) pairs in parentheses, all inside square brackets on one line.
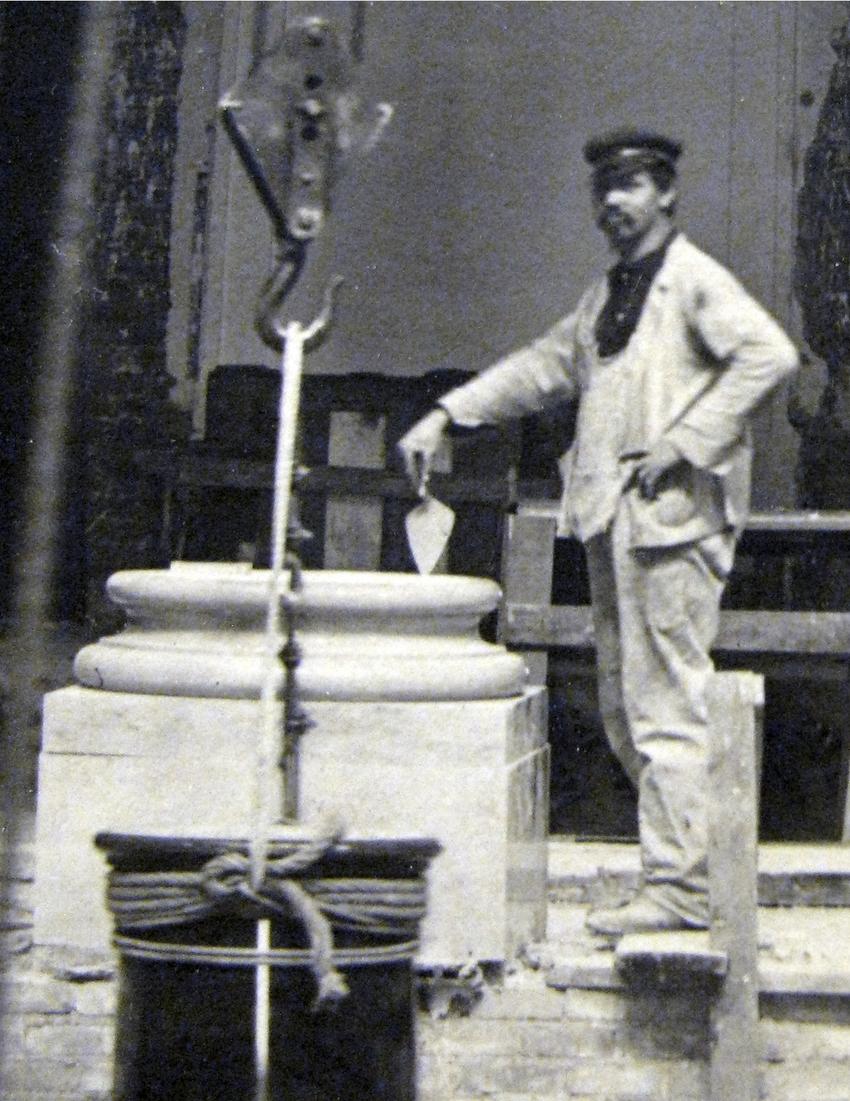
[(641, 915)]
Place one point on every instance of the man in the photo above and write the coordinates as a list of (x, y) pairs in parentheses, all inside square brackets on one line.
[(667, 357)]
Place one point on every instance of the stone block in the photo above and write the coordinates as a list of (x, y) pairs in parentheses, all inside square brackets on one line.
[(96, 999), (796, 1042), (134, 764), (464, 1038), (25, 1076), (567, 1039), (495, 1077), (594, 1005), (808, 1082), (35, 994), (66, 1039), (526, 1001), (646, 1081), (472, 774)]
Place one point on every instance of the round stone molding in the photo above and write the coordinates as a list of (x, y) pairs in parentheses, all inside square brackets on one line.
[(199, 629)]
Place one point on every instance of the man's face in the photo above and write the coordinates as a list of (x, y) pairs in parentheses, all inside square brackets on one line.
[(628, 206)]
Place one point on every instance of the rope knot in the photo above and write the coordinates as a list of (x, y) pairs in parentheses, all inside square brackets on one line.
[(225, 875), (229, 874)]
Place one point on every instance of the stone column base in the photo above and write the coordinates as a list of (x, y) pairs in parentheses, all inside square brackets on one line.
[(475, 776), (472, 774)]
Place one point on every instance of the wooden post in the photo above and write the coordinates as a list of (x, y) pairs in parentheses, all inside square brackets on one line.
[(844, 764), (527, 561), (353, 524), (736, 701), (731, 955)]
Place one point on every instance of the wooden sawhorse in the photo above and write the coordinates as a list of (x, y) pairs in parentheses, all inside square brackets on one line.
[(727, 956), (777, 644)]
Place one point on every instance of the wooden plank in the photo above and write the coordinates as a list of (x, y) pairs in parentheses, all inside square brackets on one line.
[(528, 557), (844, 768), (790, 522), (796, 633), (543, 625), (353, 524), (217, 471), (780, 522), (781, 633), (736, 702), (669, 957)]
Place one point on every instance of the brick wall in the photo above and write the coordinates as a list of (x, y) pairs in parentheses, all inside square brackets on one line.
[(124, 408), (521, 1041), (58, 1027), (525, 1040), (57, 1007)]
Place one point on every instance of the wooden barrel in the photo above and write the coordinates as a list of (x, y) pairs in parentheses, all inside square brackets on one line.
[(343, 916)]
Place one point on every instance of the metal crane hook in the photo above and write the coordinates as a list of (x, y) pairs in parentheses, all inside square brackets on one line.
[(271, 324)]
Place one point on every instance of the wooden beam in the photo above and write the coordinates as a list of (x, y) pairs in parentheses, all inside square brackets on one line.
[(729, 950), (782, 522), (528, 557), (751, 632), (736, 702), (201, 471), (353, 524), (673, 957)]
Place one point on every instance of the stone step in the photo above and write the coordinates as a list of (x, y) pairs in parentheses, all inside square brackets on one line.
[(790, 874), (803, 951)]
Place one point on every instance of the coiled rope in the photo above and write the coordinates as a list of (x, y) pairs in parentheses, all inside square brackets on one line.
[(386, 908)]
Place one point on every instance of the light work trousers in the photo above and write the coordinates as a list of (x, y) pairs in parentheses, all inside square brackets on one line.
[(656, 613)]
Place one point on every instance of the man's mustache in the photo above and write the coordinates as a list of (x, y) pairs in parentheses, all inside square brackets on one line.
[(613, 219)]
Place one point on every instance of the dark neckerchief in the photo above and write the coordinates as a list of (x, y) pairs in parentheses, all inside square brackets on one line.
[(628, 286)]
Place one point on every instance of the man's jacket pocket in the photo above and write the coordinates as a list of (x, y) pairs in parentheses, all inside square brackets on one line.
[(689, 506)]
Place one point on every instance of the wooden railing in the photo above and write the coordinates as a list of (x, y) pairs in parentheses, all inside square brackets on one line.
[(778, 644)]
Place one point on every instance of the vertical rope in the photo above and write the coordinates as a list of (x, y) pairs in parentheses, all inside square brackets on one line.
[(262, 1013), (267, 802)]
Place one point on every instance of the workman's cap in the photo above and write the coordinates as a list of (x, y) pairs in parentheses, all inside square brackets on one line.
[(631, 149)]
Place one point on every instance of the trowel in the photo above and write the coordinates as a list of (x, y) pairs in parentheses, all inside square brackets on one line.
[(429, 526)]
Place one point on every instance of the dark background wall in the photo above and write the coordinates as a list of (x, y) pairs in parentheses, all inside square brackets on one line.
[(120, 404), (467, 231), (37, 43), (463, 234)]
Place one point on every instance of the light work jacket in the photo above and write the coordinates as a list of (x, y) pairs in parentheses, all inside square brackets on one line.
[(703, 356)]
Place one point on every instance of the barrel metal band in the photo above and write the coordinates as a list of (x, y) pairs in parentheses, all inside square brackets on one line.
[(146, 900), (230, 956)]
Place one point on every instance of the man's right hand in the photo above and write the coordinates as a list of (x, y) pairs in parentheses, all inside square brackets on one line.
[(419, 446)]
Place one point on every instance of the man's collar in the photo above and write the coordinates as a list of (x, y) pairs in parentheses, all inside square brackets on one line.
[(650, 261)]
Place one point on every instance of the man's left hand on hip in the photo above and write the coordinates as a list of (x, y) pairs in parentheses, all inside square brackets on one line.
[(652, 470)]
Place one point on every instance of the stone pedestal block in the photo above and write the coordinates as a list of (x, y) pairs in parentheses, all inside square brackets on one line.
[(472, 774), (422, 729), (135, 764)]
